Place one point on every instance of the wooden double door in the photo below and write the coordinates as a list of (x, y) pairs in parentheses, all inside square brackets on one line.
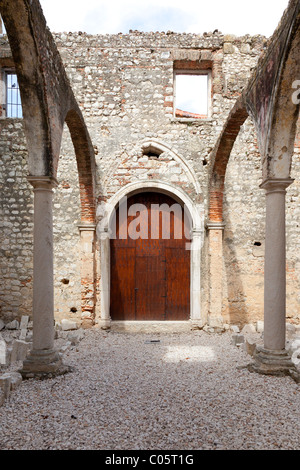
[(150, 262)]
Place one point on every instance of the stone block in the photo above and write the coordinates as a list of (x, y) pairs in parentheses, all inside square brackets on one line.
[(68, 325), (2, 351), (237, 339), (234, 328), (15, 379), (2, 325), (23, 326), (5, 380), (13, 325), (293, 346), (296, 357), (259, 326), (75, 336), (248, 329), (228, 48), (250, 346), (20, 350), (229, 37), (290, 328), (245, 48)]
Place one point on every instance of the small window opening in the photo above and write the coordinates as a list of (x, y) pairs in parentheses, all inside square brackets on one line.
[(152, 152), (257, 243), (13, 97), (191, 96)]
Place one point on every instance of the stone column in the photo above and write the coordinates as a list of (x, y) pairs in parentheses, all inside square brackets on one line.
[(197, 319), (105, 320), (88, 274), (43, 360), (273, 358), (215, 235)]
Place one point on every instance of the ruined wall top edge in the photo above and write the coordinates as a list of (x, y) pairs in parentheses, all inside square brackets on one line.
[(160, 39)]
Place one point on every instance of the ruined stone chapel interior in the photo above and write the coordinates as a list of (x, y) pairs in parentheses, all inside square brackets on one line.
[(92, 122)]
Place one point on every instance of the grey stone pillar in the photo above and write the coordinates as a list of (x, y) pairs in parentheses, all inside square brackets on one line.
[(43, 359), (273, 358)]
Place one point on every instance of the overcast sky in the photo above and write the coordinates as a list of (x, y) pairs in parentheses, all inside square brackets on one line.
[(196, 16)]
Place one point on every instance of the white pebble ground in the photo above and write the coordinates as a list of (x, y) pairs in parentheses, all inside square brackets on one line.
[(128, 393)]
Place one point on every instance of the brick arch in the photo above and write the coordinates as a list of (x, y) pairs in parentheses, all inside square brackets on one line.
[(85, 164), (220, 158)]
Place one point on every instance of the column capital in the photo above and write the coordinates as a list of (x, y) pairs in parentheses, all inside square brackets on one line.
[(276, 184), (86, 227), (43, 182), (214, 225)]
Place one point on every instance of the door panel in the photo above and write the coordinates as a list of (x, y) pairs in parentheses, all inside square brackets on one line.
[(150, 276)]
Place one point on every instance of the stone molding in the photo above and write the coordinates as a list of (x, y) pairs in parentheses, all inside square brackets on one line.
[(272, 185), (46, 183)]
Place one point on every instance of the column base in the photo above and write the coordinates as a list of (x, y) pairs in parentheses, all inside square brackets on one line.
[(104, 323), (197, 324), (43, 364), (274, 362)]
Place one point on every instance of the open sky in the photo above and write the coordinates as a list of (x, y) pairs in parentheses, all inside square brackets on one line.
[(237, 17)]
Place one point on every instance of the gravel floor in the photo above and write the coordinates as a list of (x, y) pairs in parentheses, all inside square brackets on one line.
[(126, 392)]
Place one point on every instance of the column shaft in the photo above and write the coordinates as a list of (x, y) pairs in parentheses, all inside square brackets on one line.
[(43, 361), (275, 266), (43, 297)]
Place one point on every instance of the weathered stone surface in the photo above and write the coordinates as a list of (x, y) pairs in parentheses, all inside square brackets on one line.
[(250, 346), (13, 325), (235, 328), (126, 92), (20, 350), (259, 326), (75, 336), (15, 379), (5, 380), (237, 339), (68, 325), (248, 329)]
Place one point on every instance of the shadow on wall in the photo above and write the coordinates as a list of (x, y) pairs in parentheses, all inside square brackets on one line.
[(243, 288), (234, 298)]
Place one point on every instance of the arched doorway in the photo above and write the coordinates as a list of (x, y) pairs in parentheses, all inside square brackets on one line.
[(150, 260)]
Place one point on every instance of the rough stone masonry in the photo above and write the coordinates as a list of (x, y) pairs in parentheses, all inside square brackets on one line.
[(125, 85)]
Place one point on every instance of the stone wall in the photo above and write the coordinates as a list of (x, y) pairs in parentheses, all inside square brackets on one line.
[(124, 86), (16, 223)]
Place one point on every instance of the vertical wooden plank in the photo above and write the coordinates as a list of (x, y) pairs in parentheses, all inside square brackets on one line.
[(122, 293), (150, 288), (177, 284)]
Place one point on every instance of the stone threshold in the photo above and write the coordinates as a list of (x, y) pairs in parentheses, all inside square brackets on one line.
[(152, 326)]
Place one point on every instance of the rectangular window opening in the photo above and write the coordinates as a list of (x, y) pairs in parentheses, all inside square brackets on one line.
[(13, 97), (192, 94)]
